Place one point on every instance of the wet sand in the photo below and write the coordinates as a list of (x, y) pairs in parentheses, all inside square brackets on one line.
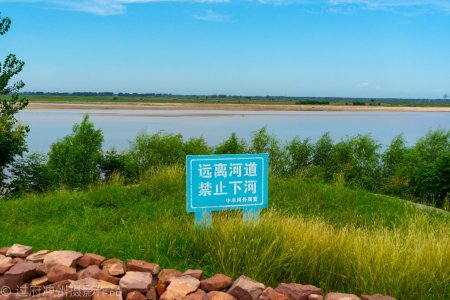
[(224, 107)]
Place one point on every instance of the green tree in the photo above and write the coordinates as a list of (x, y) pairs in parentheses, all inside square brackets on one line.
[(12, 133), (76, 159)]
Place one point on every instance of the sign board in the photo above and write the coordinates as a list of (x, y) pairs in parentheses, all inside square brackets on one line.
[(225, 182)]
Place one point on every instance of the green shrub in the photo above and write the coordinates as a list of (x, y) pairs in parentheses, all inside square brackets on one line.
[(75, 160), (233, 145)]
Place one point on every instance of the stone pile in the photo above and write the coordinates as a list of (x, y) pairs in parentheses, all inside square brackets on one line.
[(64, 275)]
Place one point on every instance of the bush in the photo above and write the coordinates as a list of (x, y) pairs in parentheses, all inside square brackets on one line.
[(299, 155), (262, 142), (232, 145), (76, 158), (30, 174), (148, 152), (196, 146)]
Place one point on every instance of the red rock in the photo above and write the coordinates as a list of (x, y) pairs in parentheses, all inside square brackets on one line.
[(5, 260), (198, 295), (180, 287), (270, 294), (167, 274), (4, 250), (65, 258), (101, 296), (376, 297), (85, 289), (18, 250), (114, 267), (340, 296), (50, 295), (90, 259), (160, 288), (315, 297), (18, 275), (215, 295), (40, 269), (295, 291), (136, 281), (151, 294), (113, 280), (37, 257), (94, 272), (143, 266), (136, 296), (194, 273), (61, 272), (216, 283), (14, 296), (246, 288), (5, 267), (17, 260)]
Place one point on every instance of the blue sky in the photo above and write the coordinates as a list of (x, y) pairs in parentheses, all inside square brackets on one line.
[(347, 48)]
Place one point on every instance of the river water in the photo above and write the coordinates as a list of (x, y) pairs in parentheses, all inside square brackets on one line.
[(121, 126)]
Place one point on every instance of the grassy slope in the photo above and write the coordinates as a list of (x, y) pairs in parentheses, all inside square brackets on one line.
[(343, 240)]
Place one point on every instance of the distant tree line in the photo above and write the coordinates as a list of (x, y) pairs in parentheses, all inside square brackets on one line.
[(420, 172), (313, 100)]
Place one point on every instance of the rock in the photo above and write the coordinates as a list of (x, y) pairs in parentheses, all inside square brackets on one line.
[(114, 267), (65, 258), (215, 295), (143, 266), (5, 267), (216, 283), (4, 250), (180, 287), (136, 296), (61, 272), (245, 288), (50, 295), (376, 297), (136, 281), (102, 296), (151, 294), (14, 296), (18, 250), (40, 281), (160, 288), (194, 273), (18, 275), (113, 280), (198, 295), (17, 260), (340, 296), (90, 259), (270, 294), (60, 286), (85, 289), (94, 272), (315, 297), (40, 269), (5, 260), (166, 275), (295, 291), (38, 256)]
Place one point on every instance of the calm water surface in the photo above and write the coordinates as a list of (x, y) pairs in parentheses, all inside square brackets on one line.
[(121, 126)]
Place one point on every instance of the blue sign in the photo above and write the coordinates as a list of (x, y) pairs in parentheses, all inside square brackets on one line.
[(225, 182)]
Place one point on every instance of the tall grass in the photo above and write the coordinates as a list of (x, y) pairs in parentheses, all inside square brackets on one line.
[(330, 236)]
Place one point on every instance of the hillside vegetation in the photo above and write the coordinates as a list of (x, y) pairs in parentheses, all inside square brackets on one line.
[(337, 238)]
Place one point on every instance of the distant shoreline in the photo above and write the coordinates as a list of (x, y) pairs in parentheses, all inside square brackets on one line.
[(225, 107)]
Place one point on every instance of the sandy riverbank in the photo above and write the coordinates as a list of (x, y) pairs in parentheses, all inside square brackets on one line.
[(224, 107)]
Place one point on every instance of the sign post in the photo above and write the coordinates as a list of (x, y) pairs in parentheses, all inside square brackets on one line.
[(226, 182)]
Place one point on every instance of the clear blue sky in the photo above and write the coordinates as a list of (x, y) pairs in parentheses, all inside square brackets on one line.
[(352, 48)]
